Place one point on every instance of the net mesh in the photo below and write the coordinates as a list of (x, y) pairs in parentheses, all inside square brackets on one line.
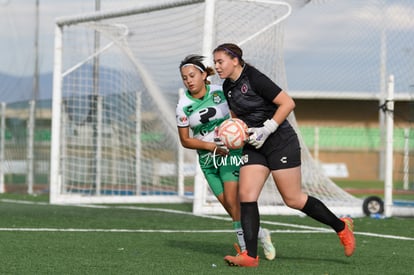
[(118, 128)]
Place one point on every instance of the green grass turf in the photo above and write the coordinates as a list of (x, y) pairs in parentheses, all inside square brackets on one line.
[(160, 242)]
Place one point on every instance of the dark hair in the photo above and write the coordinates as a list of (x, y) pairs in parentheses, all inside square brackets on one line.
[(231, 50), (197, 61)]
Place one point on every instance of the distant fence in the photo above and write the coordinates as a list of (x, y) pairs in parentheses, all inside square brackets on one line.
[(356, 149)]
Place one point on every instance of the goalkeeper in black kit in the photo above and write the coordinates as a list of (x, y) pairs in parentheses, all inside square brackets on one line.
[(273, 148)]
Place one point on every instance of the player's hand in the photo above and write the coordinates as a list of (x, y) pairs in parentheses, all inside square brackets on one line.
[(258, 135), (221, 148)]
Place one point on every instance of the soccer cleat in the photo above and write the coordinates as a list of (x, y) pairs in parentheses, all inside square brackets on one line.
[(347, 236), (242, 259), (268, 248)]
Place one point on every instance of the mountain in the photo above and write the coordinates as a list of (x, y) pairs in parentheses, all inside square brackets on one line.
[(20, 88)]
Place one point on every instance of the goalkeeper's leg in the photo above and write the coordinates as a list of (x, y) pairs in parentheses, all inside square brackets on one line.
[(343, 227), (264, 236)]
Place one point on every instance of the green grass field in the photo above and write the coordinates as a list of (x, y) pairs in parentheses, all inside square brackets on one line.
[(38, 238)]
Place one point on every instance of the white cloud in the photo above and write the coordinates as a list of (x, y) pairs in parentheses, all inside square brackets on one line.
[(17, 28), (400, 17), (341, 40), (322, 25), (317, 27)]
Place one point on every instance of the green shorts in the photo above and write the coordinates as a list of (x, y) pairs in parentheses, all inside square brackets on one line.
[(219, 169)]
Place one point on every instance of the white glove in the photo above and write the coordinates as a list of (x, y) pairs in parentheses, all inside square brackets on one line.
[(220, 146), (258, 135)]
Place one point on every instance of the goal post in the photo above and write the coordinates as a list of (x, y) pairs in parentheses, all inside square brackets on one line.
[(118, 145), (114, 139)]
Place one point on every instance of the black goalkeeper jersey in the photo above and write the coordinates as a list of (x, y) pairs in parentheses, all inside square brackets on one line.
[(251, 96)]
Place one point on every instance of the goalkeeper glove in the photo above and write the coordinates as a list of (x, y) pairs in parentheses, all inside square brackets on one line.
[(258, 135)]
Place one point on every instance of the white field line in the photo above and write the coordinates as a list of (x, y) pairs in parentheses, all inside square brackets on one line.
[(135, 230), (309, 229)]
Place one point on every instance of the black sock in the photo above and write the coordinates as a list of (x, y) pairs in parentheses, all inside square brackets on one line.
[(315, 209), (250, 221)]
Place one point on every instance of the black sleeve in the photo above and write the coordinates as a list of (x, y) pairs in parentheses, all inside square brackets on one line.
[(264, 86)]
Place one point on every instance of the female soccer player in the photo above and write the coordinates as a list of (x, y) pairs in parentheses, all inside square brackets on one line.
[(202, 109), (273, 147)]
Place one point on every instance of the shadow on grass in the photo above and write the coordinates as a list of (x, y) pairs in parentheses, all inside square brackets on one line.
[(307, 259), (221, 248), (206, 247)]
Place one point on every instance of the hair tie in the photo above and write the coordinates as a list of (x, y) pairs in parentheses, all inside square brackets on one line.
[(191, 64), (231, 52)]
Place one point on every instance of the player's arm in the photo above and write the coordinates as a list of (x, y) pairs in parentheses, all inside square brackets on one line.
[(265, 87), (183, 126), (285, 106), (193, 143), (232, 114)]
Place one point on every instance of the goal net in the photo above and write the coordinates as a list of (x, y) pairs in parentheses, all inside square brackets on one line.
[(116, 83)]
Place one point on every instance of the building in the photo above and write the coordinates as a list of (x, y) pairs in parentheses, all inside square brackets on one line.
[(353, 120)]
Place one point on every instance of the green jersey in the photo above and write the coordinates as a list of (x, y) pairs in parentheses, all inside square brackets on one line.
[(203, 115)]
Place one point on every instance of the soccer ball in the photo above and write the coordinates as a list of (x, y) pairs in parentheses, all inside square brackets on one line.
[(233, 132)]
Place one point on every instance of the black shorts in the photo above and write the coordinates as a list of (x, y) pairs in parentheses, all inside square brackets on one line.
[(281, 150)]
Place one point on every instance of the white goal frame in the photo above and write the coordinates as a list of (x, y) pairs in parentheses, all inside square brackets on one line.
[(203, 201), (57, 195)]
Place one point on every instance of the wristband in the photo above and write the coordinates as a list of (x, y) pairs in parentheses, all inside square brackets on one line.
[(271, 125)]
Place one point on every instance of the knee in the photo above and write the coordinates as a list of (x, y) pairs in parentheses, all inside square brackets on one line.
[(231, 201), (295, 203), (231, 204)]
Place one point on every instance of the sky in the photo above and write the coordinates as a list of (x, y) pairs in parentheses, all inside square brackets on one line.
[(329, 44), (342, 39)]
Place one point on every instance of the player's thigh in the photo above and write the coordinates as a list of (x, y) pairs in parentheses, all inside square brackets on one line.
[(231, 191), (288, 182), (214, 181), (229, 175), (251, 181)]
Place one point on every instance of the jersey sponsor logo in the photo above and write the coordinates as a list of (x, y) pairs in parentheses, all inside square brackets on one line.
[(206, 114), (229, 94), (283, 160), (244, 88)]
